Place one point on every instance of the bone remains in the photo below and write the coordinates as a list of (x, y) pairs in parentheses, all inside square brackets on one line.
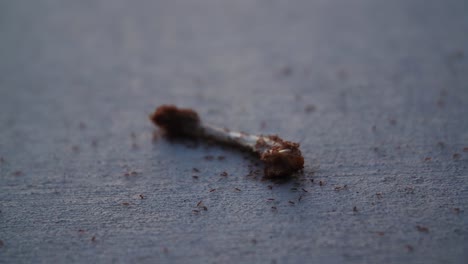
[(281, 158)]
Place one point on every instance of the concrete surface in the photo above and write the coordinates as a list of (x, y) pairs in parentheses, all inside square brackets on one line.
[(375, 91)]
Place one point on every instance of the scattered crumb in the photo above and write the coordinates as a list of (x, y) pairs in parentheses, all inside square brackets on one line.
[(456, 156), (465, 149), (456, 210), (355, 209), (274, 208), (221, 157), (1, 243), (380, 233), (195, 211), (195, 170), (94, 143), (427, 158), (422, 229), (81, 231), (195, 177), (209, 157), (286, 71), (310, 108), (237, 189), (270, 187), (93, 239), (205, 208), (374, 128), (321, 183), (409, 248), (224, 174), (212, 190), (125, 203), (379, 195), (270, 199), (441, 144), (294, 189), (304, 190), (392, 121), (142, 196), (17, 173), (199, 203), (291, 202), (299, 199)]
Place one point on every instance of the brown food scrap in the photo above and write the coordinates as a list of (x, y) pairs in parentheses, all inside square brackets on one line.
[(195, 177), (224, 174), (422, 229), (81, 231), (125, 203), (281, 159), (75, 148), (165, 250), (212, 190), (427, 158), (321, 183), (205, 208), (456, 156), (456, 210), (379, 195), (141, 196), (237, 189)]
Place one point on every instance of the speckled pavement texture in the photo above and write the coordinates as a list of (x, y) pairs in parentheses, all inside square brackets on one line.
[(375, 91)]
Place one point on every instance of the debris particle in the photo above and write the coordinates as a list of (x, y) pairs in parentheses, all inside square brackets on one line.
[(195, 211), (125, 203), (141, 196), (254, 241), (304, 190), (93, 239), (17, 173), (224, 174), (379, 195), (441, 144), (465, 149), (212, 190), (2, 243), (195, 177), (380, 233), (165, 250), (409, 248), (82, 126), (456, 156), (270, 199), (281, 158), (81, 231), (291, 202), (299, 199), (199, 203), (321, 183), (221, 157), (205, 208), (195, 170), (209, 157), (392, 121), (237, 189), (274, 208), (422, 229), (355, 209), (427, 159), (310, 109), (294, 189)]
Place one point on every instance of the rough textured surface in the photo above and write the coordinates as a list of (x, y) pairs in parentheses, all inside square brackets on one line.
[(375, 91)]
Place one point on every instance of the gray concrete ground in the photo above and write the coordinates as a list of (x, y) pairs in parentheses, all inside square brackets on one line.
[(375, 91)]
